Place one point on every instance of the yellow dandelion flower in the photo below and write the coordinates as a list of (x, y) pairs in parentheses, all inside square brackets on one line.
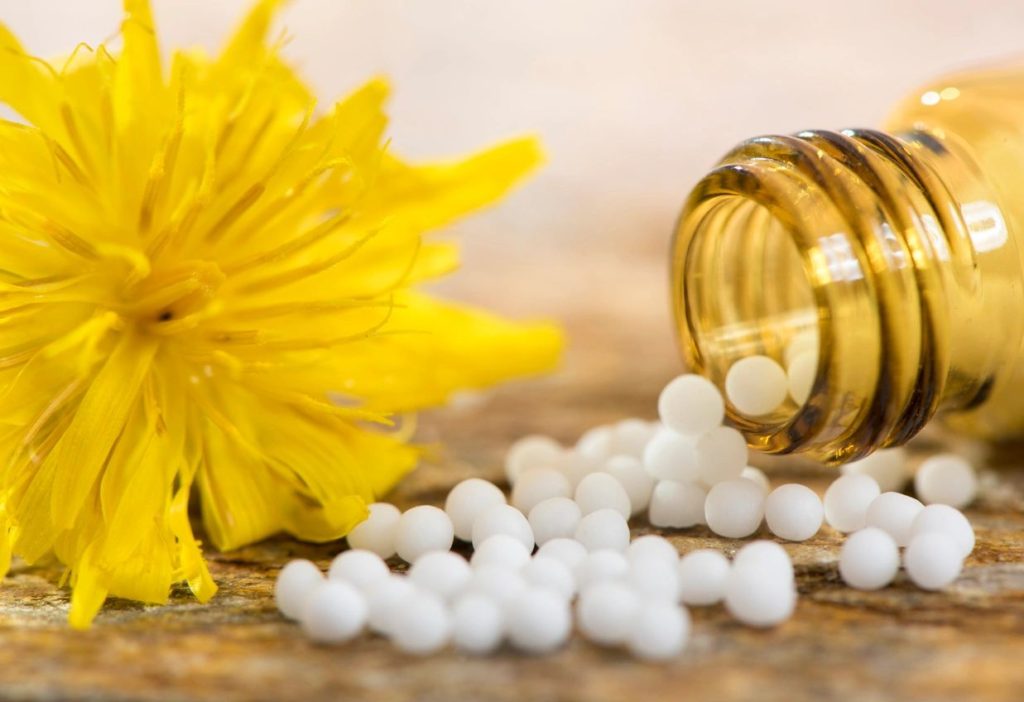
[(205, 286)]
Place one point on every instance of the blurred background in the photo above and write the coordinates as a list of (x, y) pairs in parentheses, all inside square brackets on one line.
[(634, 100)]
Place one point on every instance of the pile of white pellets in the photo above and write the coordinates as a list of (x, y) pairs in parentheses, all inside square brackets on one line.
[(556, 554)]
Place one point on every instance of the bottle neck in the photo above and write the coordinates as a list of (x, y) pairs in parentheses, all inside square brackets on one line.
[(884, 254)]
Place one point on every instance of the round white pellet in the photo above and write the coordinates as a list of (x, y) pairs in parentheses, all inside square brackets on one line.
[(869, 559), (702, 577), (568, 551), (691, 405), (933, 560), (467, 500), (422, 624), (294, 583), (502, 519), (793, 512), (384, 600), (630, 436), (601, 566), (596, 444), (335, 612), (893, 513), (603, 529), (550, 573), (734, 508), (539, 620), (671, 456), (652, 545), (377, 532), (442, 573), (888, 467), (637, 483), (946, 479), (538, 484), (771, 559), (677, 505), (533, 451), (577, 466), (600, 491), (496, 582), (421, 530), (478, 624), (605, 612), (654, 578), (660, 631), (758, 476), (756, 385), (721, 455), (800, 375), (756, 599), (846, 501), (554, 518), (946, 520), (501, 550), (358, 567)]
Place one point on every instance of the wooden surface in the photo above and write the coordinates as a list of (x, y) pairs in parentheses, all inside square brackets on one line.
[(897, 644)]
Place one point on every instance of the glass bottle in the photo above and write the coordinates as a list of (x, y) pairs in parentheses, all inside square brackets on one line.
[(894, 257)]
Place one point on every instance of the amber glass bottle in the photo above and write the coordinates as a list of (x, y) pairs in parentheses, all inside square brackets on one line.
[(895, 255)]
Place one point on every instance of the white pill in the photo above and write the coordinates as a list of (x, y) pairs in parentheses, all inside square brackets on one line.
[(467, 500), (702, 577), (869, 559), (335, 612), (758, 476), (539, 620), (294, 583), (377, 532), (501, 550), (846, 501), (533, 451), (946, 520), (421, 530), (894, 513), (691, 405), (603, 529), (659, 631), (756, 385), (442, 573), (946, 479), (538, 484), (734, 508), (768, 557), (793, 512), (577, 466), (596, 444), (933, 560), (601, 566), (654, 578), (652, 545), (358, 567), (671, 456), (677, 505), (602, 491), (554, 518), (630, 436), (569, 552), (801, 374), (550, 573), (721, 455), (502, 519), (605, 612), (637, 483), (384, 600), (478, 624), (755, 598), (496, 582), (422, 624), (888, 467)]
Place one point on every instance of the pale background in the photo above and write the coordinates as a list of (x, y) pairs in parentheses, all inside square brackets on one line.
[(634, 100)]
